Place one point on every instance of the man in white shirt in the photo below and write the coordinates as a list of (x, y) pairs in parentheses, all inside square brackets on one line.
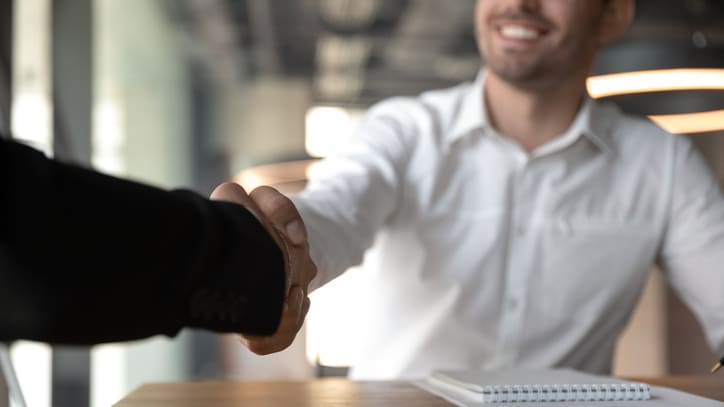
[(514, 219)]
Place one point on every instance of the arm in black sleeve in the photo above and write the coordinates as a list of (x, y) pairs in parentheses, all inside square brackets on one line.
[(88, 258)]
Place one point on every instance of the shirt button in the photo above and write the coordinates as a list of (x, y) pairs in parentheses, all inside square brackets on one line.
[(520, 230), (512, 304)]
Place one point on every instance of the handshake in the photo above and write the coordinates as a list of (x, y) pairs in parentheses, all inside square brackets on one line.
[(284, 224)]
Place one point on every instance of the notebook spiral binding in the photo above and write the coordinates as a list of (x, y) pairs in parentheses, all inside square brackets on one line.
[(566, 392)]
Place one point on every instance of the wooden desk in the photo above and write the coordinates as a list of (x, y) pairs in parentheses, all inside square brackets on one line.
[(337, 393), (707, 386)]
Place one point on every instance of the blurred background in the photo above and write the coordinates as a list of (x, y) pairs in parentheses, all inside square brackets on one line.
[(190, 93)]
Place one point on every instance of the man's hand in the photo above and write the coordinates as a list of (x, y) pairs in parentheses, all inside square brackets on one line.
[(283, 215), (281, 219)]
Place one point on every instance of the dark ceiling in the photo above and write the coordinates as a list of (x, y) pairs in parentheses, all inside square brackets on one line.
[(360, 51)]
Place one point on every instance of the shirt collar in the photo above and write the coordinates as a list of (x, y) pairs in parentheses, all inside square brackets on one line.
[(598, 119), (586, 124), (590, 121), (472, 114)]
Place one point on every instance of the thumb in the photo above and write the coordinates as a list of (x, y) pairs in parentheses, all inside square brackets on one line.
[(280, 210)]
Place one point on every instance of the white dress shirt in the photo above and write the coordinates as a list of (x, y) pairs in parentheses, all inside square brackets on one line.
[(486, 256)]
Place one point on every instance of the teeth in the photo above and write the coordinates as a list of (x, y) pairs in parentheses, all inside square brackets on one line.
[(518, 32)]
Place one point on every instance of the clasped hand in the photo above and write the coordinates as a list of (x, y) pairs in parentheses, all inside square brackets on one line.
[(280, 218)]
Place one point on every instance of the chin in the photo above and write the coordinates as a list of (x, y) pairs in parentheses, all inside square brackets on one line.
[(531, 79), (515, 73)]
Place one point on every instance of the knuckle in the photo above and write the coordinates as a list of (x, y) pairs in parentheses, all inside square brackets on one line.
[(260, 348), (270, 198)]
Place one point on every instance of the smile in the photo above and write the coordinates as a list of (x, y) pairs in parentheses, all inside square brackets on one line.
[(520, 32)]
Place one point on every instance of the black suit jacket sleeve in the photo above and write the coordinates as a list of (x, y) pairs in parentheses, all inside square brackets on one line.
[(87, 258)]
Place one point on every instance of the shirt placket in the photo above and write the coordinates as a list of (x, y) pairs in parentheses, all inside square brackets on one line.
[(518, 264)]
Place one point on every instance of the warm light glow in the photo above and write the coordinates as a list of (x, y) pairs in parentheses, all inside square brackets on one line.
[(688, 123), (288, 177), (662, 80), (251, 179), (328, 128)]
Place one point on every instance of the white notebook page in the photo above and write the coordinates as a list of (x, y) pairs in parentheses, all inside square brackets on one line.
[(460, 388)]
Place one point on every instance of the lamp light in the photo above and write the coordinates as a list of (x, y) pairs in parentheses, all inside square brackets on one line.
[(666, 80)]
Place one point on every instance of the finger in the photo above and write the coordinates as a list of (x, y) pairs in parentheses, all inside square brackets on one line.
[(235, 193), (305, 309), (297, 298), (263, 345), (310, 271), (281, 211), (288, 326), (287, 330)]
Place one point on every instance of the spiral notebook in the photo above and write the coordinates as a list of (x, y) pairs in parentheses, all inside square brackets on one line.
[(516, 386)]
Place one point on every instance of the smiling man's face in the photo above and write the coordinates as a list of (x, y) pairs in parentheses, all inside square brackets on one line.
[(538, 42)]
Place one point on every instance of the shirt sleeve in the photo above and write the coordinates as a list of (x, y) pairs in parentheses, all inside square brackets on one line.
[(88, 258), (352, 194), (693, 246)]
